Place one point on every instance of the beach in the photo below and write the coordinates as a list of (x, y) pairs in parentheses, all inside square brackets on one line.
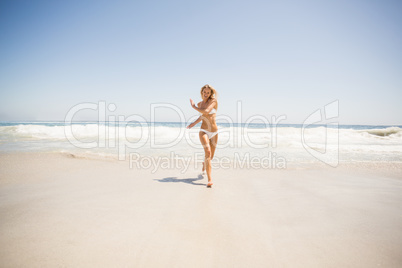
[(110, 109), (62, 210)]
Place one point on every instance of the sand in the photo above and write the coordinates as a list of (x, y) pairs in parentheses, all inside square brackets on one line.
[(63, 211)]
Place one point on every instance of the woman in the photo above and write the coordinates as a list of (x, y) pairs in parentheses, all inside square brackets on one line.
[(209, 130)]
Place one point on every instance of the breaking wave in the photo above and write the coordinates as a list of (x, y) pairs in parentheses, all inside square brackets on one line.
[(289, 141)]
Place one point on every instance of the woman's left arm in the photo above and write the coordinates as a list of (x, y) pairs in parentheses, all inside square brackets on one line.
[(195, 122)]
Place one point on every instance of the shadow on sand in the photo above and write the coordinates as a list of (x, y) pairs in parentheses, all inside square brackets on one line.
[(189, 180)]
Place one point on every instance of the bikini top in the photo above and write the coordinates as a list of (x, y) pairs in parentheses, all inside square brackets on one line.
[(213, 111)]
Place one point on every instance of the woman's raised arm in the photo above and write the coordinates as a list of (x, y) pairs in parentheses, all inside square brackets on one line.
[(203, 110)]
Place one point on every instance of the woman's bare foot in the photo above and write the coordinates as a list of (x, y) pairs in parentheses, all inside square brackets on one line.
[(209, 185)]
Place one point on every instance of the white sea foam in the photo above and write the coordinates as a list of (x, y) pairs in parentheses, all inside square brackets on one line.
[(291, 142), (283, 135)]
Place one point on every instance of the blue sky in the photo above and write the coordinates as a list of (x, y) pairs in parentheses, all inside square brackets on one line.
[(276, 57)]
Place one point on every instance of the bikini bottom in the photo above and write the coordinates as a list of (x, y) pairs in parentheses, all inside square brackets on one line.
[(209, 133)]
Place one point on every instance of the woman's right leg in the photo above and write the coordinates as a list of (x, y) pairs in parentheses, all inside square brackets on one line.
[(207, 149)]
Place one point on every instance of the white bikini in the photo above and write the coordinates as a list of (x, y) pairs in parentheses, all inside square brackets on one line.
[(209, 133)]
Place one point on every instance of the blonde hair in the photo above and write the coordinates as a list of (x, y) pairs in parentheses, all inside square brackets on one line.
[(214, 93)]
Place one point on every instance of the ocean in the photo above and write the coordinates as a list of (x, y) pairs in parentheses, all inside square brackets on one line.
[(285, 144)]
